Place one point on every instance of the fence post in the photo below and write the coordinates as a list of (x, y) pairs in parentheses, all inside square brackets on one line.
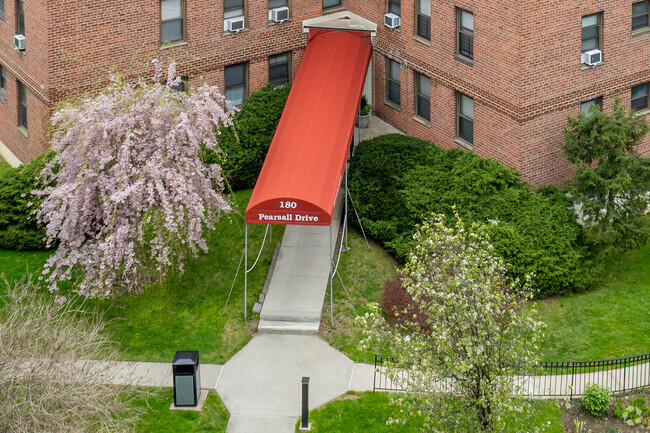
[(374, 377), (624, 364), (573, 372)]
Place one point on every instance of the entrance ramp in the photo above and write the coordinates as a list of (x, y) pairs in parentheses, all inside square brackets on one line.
[(294, 300)]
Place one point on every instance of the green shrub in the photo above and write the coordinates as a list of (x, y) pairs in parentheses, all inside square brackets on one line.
[(596, 399), (247, 141), (396, 181), (18, 227)]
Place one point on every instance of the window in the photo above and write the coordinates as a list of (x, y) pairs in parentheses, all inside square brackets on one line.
[(172, 20), (20, 18), (280, 68), (591, 25), (232, 9), (278, 4), (422, 99), (22, 103), (181, 86), (392, 81), (639, 15), (640, 96), (465, 42), (3, 82), (465, 122), (331, 3), (236, 83), (585, 107), (394, 7), (423, 19), (273, 4), (2, 9)]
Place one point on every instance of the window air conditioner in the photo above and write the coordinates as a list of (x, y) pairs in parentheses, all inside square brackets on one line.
[(592, 57), (280, 14), (19, 42), (235, 24), (392, 21)]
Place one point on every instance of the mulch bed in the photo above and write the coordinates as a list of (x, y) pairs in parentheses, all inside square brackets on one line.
[(573, 411)]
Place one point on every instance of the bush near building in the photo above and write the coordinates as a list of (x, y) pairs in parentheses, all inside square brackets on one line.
[(18, 227), (397, 181), (247, 141)]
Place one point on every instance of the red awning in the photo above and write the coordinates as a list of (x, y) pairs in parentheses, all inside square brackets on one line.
[(301, 176)]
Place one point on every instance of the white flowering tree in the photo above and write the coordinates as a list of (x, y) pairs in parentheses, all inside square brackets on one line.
[(464, 339), (129, 196)]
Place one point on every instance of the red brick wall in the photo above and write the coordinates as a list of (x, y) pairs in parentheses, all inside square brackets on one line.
[(525, 78), (27, 67)]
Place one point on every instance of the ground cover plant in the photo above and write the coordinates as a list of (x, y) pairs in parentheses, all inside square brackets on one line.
[(247, 141), (610, 321), (396, 181), (372, 412), (157, 417), (184, 313), (363, 268)]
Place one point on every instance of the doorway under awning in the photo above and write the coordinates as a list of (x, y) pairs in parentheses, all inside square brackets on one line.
[(302, 173)]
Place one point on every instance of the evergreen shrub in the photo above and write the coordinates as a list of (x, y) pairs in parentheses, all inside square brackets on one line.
[(18, 227), (247, 141), (397, 181)]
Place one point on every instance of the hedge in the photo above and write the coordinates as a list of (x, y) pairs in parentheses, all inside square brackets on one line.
[(247, 141), (18, 227), (396, 181)]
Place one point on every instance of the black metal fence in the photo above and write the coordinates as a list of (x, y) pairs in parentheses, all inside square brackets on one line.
[(555, 379)]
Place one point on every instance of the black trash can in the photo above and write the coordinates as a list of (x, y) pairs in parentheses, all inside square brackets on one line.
[(187, 380)]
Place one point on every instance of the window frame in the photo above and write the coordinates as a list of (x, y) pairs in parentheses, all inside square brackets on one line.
[(647, 95), (287, 4), (392, 5), (20, 17), (244, 84), (420, 16), (288, 64), (646, 14), (3, 82), (183, 20), (339, 4), (598, 101), (390, 79), (419, 94), (460, 115), (469, 35), (599, 33), (22, 104)]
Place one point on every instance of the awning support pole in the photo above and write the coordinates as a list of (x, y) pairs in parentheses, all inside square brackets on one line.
[(345, 209), (245, 270), (331, 280)]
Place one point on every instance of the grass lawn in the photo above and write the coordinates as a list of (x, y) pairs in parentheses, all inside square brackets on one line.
[(368, 412), (364, 272), (186, 312), (213, 418), (610, 321)]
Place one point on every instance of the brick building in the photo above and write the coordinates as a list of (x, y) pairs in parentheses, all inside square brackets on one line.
[(494, 76)]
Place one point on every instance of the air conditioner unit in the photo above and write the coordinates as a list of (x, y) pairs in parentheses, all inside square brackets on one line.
[(392, 21), (280, 14), (235, 24), (592, 57), (19, 42)]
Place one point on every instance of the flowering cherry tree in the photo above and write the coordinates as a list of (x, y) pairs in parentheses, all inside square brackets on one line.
[(462, 344), (129, 197)]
